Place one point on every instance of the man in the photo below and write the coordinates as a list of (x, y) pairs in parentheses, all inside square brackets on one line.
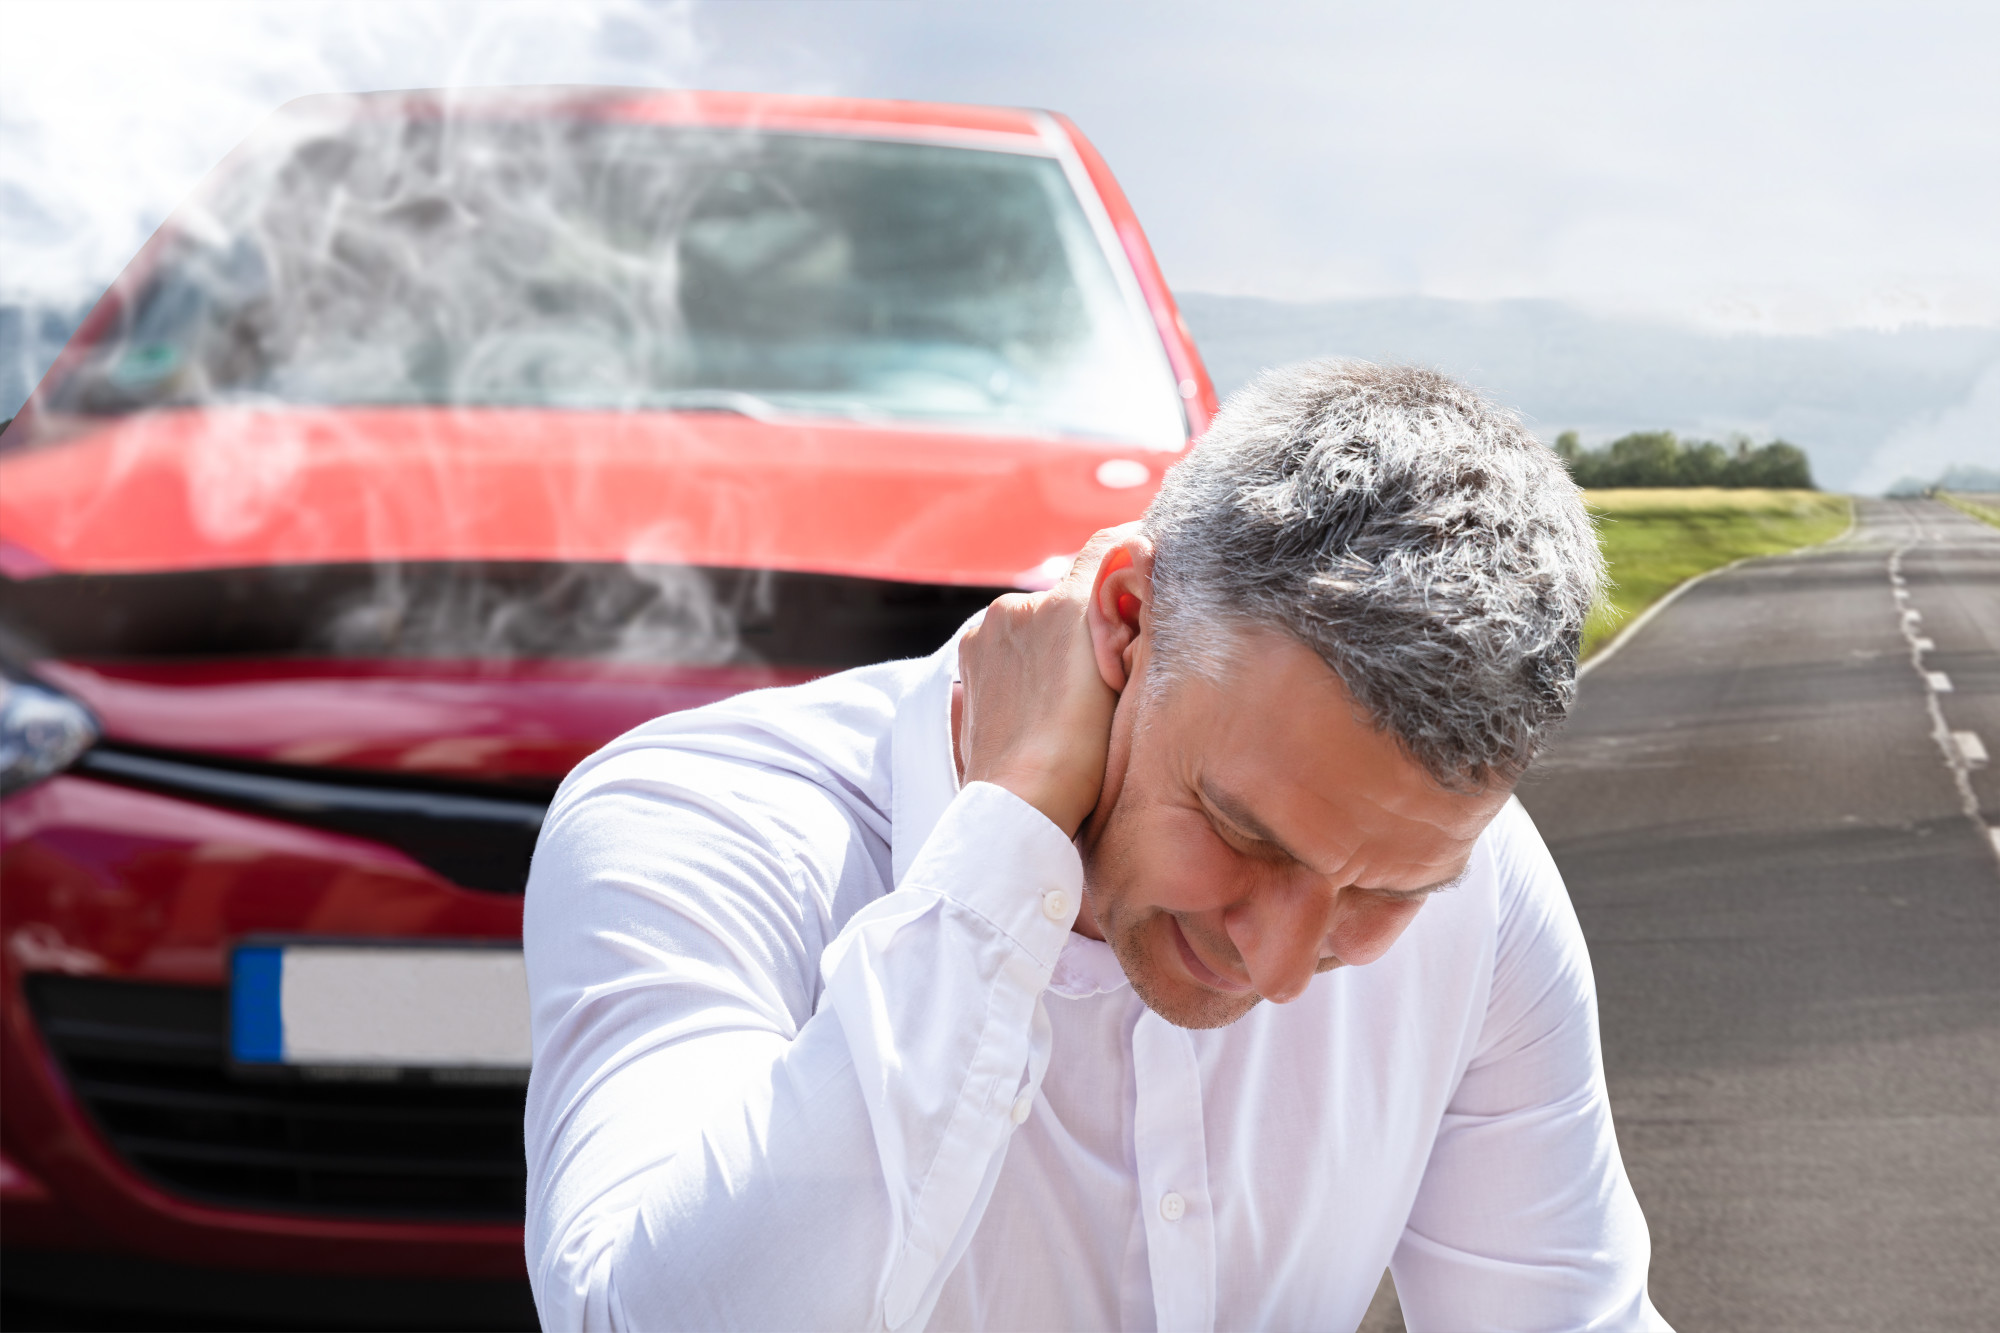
[(933, 994)]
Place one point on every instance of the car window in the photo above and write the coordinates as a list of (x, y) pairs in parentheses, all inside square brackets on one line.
[(438, 261)]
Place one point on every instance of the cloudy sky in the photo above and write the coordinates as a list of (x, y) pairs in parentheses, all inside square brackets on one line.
[(1777, 167)]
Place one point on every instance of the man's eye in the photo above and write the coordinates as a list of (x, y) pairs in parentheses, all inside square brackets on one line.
[(1255, 848), (1411, 899)]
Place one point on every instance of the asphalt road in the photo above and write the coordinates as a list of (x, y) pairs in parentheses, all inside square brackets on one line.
[(1787, 872)]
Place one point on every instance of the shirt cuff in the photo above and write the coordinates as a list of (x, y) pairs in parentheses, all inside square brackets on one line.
[(998, 856)]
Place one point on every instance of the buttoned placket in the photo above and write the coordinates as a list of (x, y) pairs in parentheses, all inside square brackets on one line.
[(926, 782), (1172, 1153)]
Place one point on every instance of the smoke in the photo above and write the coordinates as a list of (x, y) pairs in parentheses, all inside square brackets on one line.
[(474, 252), (87, 174), (113, 111), (635, 613), (516, 249)]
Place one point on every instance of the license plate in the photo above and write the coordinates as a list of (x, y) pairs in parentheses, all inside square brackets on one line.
[(370, 1006)]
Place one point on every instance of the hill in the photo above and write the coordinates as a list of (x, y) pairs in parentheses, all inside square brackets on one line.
[(1859, 402)]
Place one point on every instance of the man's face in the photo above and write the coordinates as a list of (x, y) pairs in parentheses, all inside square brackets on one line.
[(1255, 831)]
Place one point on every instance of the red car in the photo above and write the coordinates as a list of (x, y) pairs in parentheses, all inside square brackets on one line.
[(439, 439)]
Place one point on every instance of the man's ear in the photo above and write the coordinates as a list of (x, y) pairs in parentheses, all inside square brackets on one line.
[(1121, 598)]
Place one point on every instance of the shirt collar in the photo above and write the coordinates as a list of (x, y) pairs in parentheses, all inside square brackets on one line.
[(1086, 967)]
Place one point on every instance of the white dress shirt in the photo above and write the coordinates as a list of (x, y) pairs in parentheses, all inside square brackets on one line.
[(816, 1048)]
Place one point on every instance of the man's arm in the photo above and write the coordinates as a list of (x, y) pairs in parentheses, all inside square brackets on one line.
[(1525, 1219), (710, 1144), (716, 1141)]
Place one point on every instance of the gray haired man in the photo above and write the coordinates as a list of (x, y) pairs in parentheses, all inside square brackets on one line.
[(931, 994)]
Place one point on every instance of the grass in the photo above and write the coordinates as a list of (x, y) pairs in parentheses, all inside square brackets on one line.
[(1985, 506), (1654, 540)]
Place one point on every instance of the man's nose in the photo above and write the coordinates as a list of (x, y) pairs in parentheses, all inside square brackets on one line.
[(1281, 936)]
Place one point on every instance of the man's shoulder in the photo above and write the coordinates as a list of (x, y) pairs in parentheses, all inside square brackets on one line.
[(1525, 874), (1515, 843), (777, 802), (1537, 937), (1512, 889), (833, 733)]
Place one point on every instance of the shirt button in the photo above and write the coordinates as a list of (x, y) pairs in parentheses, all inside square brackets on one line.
[(1055, 904), (1172, 1206), (1023, 1104)]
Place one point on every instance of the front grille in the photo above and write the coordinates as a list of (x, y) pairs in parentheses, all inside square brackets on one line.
[(478, 835), (150, 1065)]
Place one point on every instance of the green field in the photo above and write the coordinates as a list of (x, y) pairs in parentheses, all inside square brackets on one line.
[(1655, 539), (1984, 506)]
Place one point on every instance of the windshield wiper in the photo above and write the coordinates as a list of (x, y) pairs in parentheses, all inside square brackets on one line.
[(721, 400)]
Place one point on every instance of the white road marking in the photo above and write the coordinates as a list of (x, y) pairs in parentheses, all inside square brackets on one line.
[(1958, 754)]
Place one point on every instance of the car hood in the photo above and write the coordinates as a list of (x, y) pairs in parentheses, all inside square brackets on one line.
[(472, 721), (211, 489)]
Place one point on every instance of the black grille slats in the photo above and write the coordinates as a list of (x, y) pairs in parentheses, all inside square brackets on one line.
[(478, 836), (150, 1065)]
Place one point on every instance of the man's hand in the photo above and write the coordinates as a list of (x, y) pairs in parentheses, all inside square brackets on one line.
[(1037, 707)]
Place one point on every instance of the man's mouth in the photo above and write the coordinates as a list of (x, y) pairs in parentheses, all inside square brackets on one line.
[(1199, 970)]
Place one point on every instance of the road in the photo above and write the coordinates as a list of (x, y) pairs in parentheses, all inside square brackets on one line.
[(1787, 872)]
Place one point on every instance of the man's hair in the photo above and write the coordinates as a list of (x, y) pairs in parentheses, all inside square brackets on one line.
[(1416, 537)]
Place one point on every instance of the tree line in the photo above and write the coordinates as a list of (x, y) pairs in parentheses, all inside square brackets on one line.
[(1658, 458)]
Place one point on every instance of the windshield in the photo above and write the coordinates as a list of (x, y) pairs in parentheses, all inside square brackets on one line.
[(571, 264)]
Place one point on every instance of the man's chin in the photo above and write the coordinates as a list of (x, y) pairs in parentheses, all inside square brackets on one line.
[(1180, 1000), (1194, 1007)]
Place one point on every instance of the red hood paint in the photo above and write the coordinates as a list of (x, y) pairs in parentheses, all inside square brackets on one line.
[(467, 720), (205, 489)]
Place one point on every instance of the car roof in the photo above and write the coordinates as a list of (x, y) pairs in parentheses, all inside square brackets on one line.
[(1010, 128)]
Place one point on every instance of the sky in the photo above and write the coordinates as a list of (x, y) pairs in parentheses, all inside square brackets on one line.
[(1743, 167)]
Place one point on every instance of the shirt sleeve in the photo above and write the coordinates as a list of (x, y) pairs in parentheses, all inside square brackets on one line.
[(1524, 1219), (727, 1128)]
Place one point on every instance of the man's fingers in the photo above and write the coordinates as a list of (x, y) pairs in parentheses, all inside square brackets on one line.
[(1037, 713)]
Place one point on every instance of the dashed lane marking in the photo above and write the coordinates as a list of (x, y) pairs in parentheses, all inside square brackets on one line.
[(1958, 747)]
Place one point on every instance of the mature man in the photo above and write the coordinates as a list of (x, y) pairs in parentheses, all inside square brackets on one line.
[(931, 994)]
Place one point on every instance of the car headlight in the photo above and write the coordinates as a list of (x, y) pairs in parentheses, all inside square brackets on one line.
[(41, 733)]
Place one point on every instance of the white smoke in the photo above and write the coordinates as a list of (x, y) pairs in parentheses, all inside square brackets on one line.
[(637, 612), (111, 112)]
